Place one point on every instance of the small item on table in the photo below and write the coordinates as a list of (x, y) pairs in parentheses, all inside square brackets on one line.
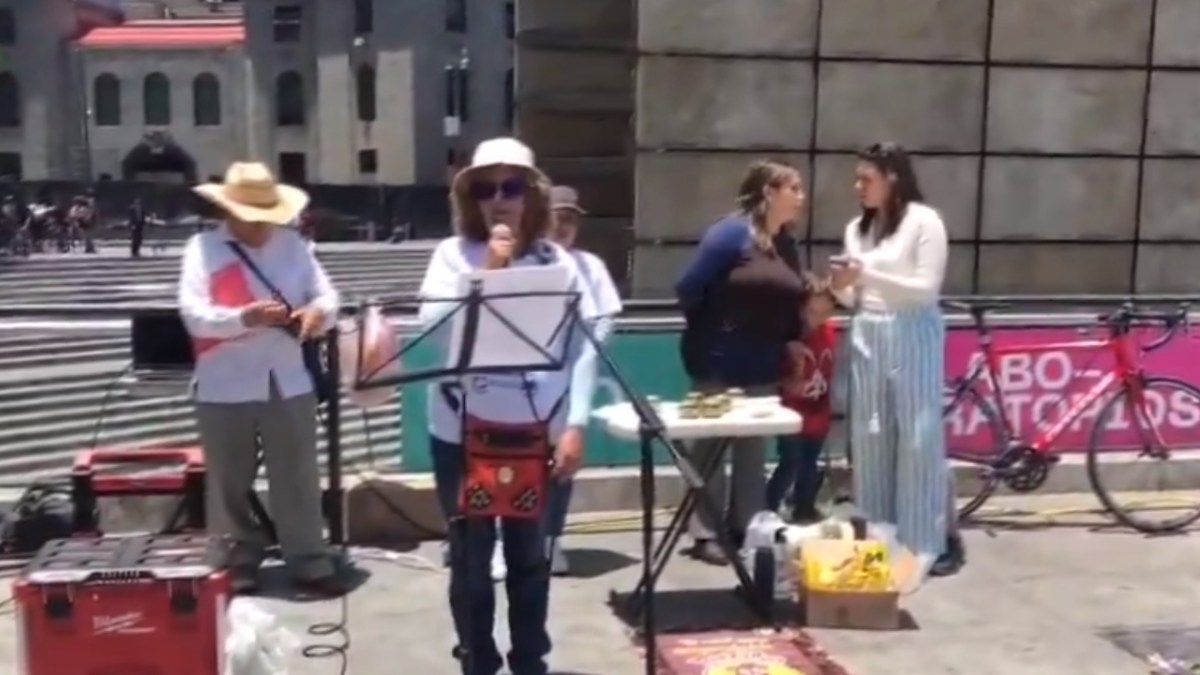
[(717, 405), (688, 410)]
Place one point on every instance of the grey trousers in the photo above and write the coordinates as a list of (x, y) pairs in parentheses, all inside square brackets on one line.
[(744, 489), (228, 433)]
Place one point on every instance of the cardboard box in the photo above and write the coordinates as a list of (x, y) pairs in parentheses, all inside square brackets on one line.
[(866, 610)]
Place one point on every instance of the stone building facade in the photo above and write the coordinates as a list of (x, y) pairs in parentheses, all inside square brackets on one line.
[(326, 91), (1057, 138)]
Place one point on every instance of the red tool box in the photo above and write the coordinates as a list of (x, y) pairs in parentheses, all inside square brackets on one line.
[(186, 481), (150, 605)]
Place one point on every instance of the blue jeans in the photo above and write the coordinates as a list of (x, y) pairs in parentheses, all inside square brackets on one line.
[(472, 592), (799, 471), (560, 506)]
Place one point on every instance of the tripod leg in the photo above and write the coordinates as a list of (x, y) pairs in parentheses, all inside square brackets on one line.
[(705, 504), (678, 524), (256, 505)]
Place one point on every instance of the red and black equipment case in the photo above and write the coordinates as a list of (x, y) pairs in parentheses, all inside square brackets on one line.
[(137, 605), (89, 482)]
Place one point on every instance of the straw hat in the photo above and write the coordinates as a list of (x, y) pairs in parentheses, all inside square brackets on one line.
[(251, 194), (498, 152)]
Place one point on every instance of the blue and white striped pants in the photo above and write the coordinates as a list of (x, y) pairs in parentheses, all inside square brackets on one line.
[(896, 431)]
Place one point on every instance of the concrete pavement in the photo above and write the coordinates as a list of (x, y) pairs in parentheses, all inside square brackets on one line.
[(1040, 587)]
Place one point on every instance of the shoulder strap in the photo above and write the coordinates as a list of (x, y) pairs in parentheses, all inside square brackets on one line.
[(258, 273)]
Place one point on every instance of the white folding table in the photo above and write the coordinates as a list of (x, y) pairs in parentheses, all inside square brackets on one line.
[(750, 417)]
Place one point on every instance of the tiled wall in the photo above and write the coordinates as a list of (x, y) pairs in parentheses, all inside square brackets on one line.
[(1060, 139)]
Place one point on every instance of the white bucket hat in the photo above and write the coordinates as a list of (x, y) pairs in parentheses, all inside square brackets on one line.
[(502, 151), (250, 193)]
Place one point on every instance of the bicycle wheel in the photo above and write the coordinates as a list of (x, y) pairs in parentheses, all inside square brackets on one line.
[(975, 441), (1167, 426)]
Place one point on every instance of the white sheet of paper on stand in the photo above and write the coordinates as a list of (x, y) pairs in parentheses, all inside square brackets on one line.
[(538, 318), (757, 416)]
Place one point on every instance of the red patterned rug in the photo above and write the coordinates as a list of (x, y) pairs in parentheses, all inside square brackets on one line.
[(753, 652)]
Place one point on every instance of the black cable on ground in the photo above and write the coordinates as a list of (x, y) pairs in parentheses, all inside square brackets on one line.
[(340, 627)]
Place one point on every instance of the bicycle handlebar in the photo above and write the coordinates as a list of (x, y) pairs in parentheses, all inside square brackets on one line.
[(1118, 321), (1121, 320)]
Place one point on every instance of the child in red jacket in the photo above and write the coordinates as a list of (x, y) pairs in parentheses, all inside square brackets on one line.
[(804, 388)]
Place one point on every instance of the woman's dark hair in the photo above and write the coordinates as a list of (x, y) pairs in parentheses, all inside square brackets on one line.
[(752, 200), (892, 162)]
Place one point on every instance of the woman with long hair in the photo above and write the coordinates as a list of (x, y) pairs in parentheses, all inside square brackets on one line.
[(891, 274), (251, 293), (740, 301), (502, 214)]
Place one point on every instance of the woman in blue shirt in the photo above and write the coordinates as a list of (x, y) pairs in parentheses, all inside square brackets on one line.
[(740, 301)]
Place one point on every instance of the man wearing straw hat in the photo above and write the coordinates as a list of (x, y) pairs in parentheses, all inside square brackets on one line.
[(250, 293)]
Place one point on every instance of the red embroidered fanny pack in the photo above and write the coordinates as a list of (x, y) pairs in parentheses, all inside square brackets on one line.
[(507, 469)]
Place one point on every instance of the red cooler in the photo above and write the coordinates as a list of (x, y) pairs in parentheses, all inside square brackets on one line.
[(145, 604)]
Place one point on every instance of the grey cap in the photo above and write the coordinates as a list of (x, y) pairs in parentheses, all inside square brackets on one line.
[(564, 197)]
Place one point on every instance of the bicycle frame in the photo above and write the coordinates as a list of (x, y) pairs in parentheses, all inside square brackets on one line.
[(1126, 369)]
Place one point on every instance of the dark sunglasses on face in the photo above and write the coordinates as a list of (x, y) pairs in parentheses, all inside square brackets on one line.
[(485, 190)]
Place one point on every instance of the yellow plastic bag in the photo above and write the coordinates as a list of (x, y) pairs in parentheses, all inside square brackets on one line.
[(866, 569)]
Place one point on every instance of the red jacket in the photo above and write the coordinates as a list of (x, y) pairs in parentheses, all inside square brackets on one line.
[(808, 375)]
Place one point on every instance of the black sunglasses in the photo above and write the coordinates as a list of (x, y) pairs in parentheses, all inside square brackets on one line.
[(486, 190)]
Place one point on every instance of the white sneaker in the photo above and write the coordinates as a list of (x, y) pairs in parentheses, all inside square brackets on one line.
[(499, 565), (559, 566)]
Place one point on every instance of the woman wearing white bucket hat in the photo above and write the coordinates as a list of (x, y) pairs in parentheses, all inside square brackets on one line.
[(250, 292), (502, 212)]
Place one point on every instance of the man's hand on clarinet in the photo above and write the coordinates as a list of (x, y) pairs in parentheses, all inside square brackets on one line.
[(500, 247)]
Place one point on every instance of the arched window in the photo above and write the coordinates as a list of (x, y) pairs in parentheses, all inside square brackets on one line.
[(106, 100), (364, 17), (10, 100), (156, 100), (289, 99), (510, 96), (365, 86), (8, 27), (206, 100)]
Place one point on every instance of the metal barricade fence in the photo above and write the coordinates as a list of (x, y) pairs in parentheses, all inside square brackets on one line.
[(61, 385)]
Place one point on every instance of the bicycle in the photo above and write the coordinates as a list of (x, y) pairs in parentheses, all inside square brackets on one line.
[(1124, 398)]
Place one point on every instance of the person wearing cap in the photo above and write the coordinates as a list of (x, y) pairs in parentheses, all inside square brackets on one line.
[(502, 217), (250, 292)]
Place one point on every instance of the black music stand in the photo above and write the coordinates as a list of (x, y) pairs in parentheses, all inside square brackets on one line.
[(651, 430), (466, 315)]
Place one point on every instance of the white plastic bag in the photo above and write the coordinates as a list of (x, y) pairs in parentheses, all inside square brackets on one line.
[(256, 643), (767, 530), (380, 347)]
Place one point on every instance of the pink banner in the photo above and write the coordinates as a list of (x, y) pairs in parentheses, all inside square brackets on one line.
[(1040, 387)]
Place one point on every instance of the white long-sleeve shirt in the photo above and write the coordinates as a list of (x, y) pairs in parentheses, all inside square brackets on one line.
[(903, 271), (235, 364), (500, 397)]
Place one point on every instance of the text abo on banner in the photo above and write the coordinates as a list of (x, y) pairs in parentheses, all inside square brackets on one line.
[(1041, 387), (650, 361)]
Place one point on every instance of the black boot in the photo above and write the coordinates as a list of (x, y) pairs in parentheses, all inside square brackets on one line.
[(952, 559)]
